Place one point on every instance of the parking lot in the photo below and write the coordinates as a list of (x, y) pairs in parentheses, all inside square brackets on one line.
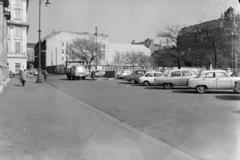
[(205, 126)]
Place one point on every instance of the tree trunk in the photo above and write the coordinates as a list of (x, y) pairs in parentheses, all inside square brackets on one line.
[(178, 63)]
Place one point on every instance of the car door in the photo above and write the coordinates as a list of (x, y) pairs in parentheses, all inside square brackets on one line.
[(159, 75), (176, 78), (149, 77), (210, 79), (223, 80), (186, 75)]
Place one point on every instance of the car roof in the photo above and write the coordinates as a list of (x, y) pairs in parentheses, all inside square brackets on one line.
[(213, 70)]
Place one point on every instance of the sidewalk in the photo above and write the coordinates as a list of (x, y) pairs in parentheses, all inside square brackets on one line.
[(39, 122)]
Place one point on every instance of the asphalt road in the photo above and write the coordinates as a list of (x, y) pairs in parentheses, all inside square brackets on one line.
[(205, 126)]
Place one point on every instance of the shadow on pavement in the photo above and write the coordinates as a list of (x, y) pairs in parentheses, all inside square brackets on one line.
[(65, 79), (153, 87), (18, 85), (123, 83), (229, 97), (208, 92)]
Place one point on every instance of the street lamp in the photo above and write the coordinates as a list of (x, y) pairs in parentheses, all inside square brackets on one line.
[(39, 75), (96, 47)]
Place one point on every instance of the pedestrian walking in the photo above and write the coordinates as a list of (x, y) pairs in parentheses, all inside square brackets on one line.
[(93, 74), (31, 73), (45, 75), (10, 74), (24, 77)]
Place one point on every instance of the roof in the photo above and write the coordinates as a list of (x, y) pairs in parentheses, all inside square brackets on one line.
[(213, 24)]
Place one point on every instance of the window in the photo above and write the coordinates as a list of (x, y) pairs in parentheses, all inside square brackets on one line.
[(221, 75), (18, 31), (17, 47), (140, 72), (62, 51), (62, 58), (157, 74), (176, 74), (66, 58), (63, 44), (186, 73), (209, 75), (17, 67), (104, 46), (17, 15), (18, 2), (149, 75)]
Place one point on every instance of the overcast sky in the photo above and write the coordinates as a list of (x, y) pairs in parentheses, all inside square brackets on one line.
[(122, 20)]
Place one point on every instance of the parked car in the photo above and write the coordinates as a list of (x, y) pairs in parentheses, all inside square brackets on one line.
[(124, 73), (35, 71), (148, 78), (79, 71), (213, 79), (175, 77), (99, 73), (134, 77)]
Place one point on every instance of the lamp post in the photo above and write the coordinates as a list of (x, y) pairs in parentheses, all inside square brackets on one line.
[(39, 76), (96, 48)]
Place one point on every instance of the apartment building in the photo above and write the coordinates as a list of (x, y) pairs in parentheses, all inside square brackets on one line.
[(17, 35)]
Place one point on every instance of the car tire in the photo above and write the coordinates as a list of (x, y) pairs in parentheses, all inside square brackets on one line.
[(237, 91), (201, 89), (146, 83), (69, 77), (78, 78), (132, 81), (168, 86), (83, 78)]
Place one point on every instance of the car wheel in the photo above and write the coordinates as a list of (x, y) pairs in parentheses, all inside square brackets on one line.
[(78, 78), (69, 77), (201, 89), (83, 78), (146, 83), (132, 81), (168, 86), (237, 91)]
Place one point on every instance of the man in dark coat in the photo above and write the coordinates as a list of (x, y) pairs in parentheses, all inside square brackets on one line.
[(24, 77), (93, 74)]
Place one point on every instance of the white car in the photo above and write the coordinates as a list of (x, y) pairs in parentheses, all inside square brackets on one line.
[(213, 79), (124, 73), (175, 77), (148, 78)]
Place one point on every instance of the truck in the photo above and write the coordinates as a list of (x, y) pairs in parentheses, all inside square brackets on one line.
[(76, 70)]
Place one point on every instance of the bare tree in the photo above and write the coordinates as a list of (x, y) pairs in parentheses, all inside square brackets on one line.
[(119, 58), (86, 49), (179, 43), (143, 60), (209, 37), (132, 58)]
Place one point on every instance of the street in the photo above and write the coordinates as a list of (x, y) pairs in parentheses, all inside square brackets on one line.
[(205, 126)]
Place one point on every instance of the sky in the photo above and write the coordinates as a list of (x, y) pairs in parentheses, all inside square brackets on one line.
[(122, 20)]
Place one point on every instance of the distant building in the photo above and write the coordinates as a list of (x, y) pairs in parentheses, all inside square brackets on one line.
[(149, 43), (30, 52), (226, 26), (54, 48), (17, 35)]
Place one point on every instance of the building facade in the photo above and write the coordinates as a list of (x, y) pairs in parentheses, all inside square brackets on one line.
[(209, 35), (54, 49), (17, 35), (4, 16)]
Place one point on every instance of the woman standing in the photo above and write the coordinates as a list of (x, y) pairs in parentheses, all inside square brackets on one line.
[(24, 77)]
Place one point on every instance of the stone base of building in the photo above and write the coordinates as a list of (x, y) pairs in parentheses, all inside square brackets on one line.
[(4, 85)]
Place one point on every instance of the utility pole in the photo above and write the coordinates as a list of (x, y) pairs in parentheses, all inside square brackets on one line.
[(96, 47)]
